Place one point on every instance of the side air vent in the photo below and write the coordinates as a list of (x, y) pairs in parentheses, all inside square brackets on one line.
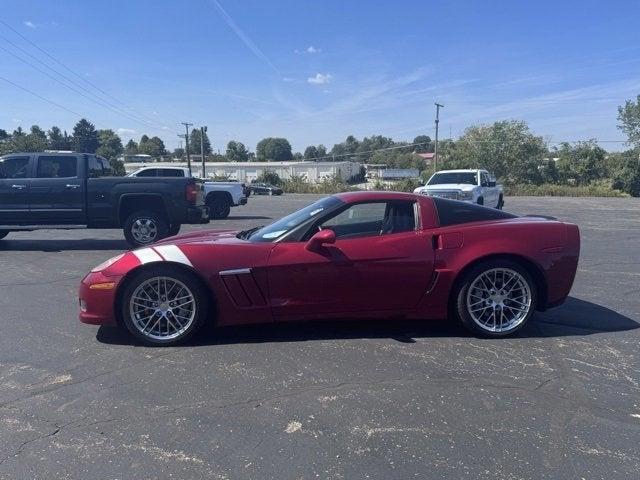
[(242, 288)]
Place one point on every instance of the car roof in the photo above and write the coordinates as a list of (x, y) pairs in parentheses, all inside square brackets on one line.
[(462, 170), (366, 196)]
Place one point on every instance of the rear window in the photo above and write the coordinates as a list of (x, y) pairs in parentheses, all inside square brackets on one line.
[(57, 167), (452, 212)]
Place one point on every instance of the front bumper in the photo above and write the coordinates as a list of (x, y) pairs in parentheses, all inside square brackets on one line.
[(96, 301), (450, 196), (199, 214)]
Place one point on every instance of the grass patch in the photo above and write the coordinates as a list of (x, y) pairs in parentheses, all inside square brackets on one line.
[(553, 190)]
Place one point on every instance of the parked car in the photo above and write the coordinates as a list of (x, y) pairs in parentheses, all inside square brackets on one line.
[(265, 189), (384, 255), (474, 186), (70, 190), (219, 196)]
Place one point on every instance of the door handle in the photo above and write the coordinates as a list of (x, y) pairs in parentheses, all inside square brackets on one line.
[(72, 186), (18, 187)]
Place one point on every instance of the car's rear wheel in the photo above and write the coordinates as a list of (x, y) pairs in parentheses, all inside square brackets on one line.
[(496, 299), (163, 306), (219, 207), (144, 228), (3, 233), (480, 201), (174, 229)]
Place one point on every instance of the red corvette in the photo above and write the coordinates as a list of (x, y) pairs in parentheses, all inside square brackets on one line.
[(352, 255)]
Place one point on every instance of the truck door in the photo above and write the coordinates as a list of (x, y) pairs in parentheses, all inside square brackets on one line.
[(14, 189), (57, 191)]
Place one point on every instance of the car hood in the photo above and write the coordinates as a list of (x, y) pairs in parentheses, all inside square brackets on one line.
[(448, 186), (209, 235)]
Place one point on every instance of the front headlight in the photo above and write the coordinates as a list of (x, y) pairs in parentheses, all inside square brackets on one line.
[(107, 264), (466, 195)]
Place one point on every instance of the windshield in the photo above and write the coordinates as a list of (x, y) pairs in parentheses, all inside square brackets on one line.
[(469, 178), (277, 229)]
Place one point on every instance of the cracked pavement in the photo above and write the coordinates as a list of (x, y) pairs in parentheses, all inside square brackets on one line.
[(337, 400)]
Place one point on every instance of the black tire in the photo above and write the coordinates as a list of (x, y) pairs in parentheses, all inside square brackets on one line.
[(200, 295), (481, 201), (500, 203), (461, 297), (160, 226), (3, 233), (174, 229), (219, 207)]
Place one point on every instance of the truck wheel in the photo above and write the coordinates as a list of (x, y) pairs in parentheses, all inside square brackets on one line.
[(480, 201), (143, 228), (219, 208), (500, 203), (174, 229), (3, 233)]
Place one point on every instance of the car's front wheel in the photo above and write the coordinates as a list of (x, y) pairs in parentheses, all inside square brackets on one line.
[(163, 306), (496, 299)]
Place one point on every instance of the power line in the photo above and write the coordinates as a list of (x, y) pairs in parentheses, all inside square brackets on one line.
[(140, 116)]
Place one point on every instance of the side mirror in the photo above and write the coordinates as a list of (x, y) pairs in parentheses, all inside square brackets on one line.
[(323, 237), (492, 183)]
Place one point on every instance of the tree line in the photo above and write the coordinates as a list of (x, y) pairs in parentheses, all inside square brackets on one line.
[(507, 148)]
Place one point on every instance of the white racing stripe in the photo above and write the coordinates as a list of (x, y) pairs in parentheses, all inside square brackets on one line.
[(172, 253), (147, 255)]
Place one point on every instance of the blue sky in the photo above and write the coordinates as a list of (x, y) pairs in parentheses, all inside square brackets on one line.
[(317, 71)]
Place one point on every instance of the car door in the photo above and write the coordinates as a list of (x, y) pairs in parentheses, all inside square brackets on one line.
[(381, 262), (14, 189), (56, 192)]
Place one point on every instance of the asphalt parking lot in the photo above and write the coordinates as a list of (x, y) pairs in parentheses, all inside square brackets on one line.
[(330, 401)]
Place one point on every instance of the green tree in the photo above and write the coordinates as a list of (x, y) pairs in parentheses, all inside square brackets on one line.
[(625, 171), (629, 118), (110, 145), (57, 140), (582, 163), (153, 146), (270, 177), (315, 153), (424, 144), (34, 141), (274, 149), (237, 152), (506, 148), (194, 142), (85, 137), (131, 148)]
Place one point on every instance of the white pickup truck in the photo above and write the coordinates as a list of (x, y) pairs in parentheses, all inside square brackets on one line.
[(219, 196), (473, 186)]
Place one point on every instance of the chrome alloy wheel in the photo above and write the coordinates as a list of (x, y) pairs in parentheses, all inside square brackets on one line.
[(144, 230), (499, 300), (162, 308)]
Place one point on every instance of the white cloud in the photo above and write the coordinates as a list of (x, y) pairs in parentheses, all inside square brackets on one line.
[(125, 131), (320, 79), (16, 120), (312, 49), (287, 79), (29, 24)]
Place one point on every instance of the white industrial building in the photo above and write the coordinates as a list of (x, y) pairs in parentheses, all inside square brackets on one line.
[(250, 171)]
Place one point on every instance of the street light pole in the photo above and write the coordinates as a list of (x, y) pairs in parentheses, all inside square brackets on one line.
[(202, 132), (186, 140), (435, 153)]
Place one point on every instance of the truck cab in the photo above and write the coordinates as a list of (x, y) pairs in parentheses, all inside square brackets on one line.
[(467, 185)]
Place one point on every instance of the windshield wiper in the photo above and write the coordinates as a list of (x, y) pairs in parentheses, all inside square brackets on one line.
[(247, 233)]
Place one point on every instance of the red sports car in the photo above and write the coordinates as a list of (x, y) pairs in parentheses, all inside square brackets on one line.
[(353, 255)]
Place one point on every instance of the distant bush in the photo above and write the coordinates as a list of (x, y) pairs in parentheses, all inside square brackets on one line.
[(601, 189), (299, 184)]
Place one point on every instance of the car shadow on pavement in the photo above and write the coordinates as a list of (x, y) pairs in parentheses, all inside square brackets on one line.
[(574, 318), (63, 245)]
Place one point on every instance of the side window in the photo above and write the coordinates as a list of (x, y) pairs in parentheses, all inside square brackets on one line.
[(14, 167), (372, 219), (107, 171), (94, 167), (150, 172), (484, 180), (171, 172), (57, 167)]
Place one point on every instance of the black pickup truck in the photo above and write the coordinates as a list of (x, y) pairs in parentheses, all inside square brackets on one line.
[(71, 190)]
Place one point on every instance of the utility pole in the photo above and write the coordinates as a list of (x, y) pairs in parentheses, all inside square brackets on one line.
[(186, 142), (202, 132), (435, 153)]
